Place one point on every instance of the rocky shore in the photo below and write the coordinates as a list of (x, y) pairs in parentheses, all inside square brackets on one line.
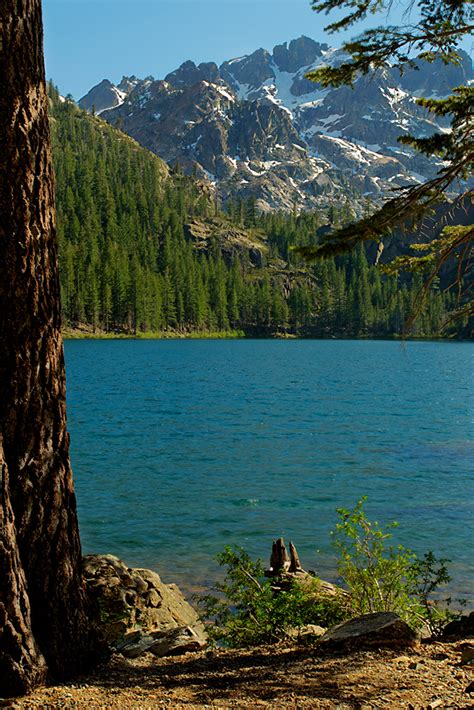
[(159, 657)]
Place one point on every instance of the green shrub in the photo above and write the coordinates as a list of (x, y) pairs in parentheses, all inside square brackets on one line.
[(427, 575), (248, 610), (381, 577)]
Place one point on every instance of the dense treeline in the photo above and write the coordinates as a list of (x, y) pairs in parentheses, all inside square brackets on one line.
[(127, 265)]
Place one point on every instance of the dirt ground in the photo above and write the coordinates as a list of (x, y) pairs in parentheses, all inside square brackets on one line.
[(429, 676)]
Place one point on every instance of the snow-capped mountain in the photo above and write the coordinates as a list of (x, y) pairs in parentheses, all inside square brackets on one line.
[(257, 127)]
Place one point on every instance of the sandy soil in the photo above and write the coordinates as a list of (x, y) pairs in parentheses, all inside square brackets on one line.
[(430, 676)]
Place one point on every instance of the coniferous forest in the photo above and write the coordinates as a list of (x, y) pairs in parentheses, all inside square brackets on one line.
[(144, 249)]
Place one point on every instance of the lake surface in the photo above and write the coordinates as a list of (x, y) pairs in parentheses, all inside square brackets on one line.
[(182, 446)]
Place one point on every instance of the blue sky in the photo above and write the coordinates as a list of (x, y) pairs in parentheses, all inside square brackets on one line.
[(89, 40)]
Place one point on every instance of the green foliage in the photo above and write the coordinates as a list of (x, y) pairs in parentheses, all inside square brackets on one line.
[(427, 575), (383, 577), (376, 575), (434, 37), (454, 243), (248, 610), (436, 34)]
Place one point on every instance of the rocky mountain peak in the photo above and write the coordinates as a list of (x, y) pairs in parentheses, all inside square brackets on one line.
[(188, 74), (438, 78), (301, 52), (252, 70), (101, 97), (128, 83)]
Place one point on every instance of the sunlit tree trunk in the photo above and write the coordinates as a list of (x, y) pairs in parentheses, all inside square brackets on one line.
[(43, 626)]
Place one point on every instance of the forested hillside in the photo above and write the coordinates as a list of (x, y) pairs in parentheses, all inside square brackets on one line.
[(143, 249)]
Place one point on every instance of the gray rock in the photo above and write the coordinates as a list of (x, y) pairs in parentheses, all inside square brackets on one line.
[(135, 644), (173, 642), (102, 96), (253, 70), (178, 641), (310, 633), (189, 74), (125, 600), (300, 53), (381, 629)]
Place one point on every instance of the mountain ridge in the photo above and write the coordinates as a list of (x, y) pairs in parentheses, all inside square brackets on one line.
[(256, 127)]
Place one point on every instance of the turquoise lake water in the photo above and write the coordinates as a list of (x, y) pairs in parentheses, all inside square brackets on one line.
[(182, 446)]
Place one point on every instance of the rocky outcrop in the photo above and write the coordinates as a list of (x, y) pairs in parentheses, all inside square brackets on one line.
[(252, 71), (232, 240), (131, 606), (437, 78), (188, 74), (301, 52), (380, 630)]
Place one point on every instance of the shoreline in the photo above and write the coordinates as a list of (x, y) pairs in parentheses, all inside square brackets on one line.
[(85, 334), (89, 334)]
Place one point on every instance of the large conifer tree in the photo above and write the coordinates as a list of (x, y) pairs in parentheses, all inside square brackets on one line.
[(43, 625)]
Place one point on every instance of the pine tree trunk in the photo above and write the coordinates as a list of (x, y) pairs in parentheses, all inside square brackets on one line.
[(39, 533), (21, 663)]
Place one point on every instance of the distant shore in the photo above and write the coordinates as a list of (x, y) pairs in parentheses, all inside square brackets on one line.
[(88, 333)]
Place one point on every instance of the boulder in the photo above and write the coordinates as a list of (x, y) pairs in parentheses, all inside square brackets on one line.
[(178, 641), (462, 627), (125, 600), (382, 629), (135, 644)]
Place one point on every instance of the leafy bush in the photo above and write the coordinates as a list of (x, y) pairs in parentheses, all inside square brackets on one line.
[(249, 610), (427, 575), (381, 577)]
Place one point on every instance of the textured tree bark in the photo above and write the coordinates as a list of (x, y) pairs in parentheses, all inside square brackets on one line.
[(21, 663), (45, 562)]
